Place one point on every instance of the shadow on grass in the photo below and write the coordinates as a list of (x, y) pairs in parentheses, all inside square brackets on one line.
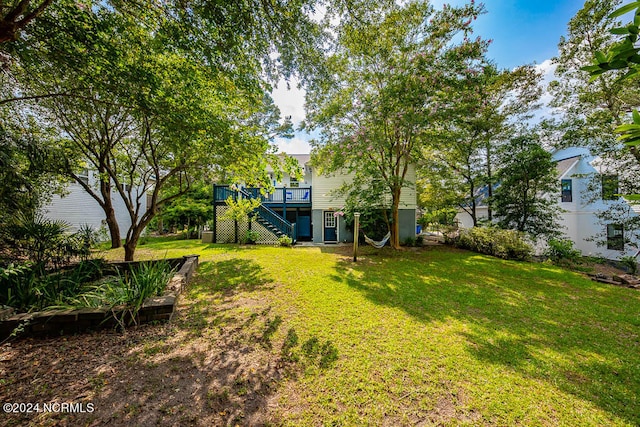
[(230, 275), (215, 285), (539, 321), (229, 383)]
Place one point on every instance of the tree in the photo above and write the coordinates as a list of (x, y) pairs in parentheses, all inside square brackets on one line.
[(194, 208), (590, 111), (526, 196), (17, 14), (391, 66), (485, 111), (440, 194), (137, 99), (27, 168), (622, 56)]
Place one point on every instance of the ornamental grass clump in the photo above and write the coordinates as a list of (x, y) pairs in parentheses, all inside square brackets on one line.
[(130, 288)]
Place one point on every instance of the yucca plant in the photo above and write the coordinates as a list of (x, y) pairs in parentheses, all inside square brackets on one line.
[(46, 242)]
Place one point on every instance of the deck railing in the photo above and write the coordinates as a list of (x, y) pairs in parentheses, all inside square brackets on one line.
[(222, 193), (281, 195)]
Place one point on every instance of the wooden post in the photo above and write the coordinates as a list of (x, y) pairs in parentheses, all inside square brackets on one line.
[(356, 232)]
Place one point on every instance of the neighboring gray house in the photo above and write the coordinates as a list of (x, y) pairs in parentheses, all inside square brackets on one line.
[(309, 204), (579, 221), (77, 207)]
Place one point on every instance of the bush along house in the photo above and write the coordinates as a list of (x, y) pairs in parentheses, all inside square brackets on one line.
[(588, 187), (305, 210)]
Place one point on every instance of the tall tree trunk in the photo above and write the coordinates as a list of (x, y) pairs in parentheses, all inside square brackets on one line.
[(110, 213), (130, 248), (133, 235), (489, 183), (472, 194), (114, 228)]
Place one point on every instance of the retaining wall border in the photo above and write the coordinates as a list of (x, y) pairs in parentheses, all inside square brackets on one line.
[(63, 322)]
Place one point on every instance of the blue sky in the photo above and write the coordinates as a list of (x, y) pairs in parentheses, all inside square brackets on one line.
[(523, 32)]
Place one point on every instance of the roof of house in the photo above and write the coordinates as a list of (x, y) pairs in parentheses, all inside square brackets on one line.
[(564, 165), (303, 159)]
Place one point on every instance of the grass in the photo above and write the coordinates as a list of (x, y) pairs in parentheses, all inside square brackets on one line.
[(434, 336)]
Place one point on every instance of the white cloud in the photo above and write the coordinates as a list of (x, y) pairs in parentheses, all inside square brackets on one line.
[(548, 69), (290, 101), (295, 145)]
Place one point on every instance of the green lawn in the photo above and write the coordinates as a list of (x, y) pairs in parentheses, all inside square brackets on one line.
[(433, 336)]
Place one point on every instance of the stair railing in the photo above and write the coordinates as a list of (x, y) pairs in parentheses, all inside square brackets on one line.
[(273, 218)]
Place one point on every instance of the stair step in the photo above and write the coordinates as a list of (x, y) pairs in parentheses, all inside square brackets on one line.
[(269, 226)]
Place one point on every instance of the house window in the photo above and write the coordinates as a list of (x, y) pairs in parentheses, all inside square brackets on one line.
[(293, 182), (123, 182), (610, 187), (83, 176), (615, 237), (567, 190), (329, 220)]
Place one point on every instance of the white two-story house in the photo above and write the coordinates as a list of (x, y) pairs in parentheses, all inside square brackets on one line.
[(311, 204), (587, 188)]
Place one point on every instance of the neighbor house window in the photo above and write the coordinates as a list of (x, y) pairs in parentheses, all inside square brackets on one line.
[(293, 182), (610, 187), (83, 175), (615, 237), (125, 185), (567, 190)]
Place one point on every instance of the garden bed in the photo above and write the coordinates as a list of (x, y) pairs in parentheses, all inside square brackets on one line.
[(60, 322)]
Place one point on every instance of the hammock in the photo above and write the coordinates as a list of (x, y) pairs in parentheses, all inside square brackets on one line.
[(379, 244)]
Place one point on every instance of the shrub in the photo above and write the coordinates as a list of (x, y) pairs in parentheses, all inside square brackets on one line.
[(251, 237), (18, 286), (410, 241), (451, 235), (420, 240), (561, 249), (285, 241), (44, 241), (130, 288), (630, 263), (506, 244)]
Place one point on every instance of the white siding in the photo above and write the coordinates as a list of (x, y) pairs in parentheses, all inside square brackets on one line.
[(324, 198), (408, 198), (580, 222), (77, 208), (464, 220), (324, 186)]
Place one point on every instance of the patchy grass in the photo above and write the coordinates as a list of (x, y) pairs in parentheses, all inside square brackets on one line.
[(304, 336)]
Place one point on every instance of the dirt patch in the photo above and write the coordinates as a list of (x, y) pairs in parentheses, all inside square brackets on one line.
[(208, 367), (606, 269)]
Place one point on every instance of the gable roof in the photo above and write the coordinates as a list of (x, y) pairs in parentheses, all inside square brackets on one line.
[(564, 165), (303, 159)]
